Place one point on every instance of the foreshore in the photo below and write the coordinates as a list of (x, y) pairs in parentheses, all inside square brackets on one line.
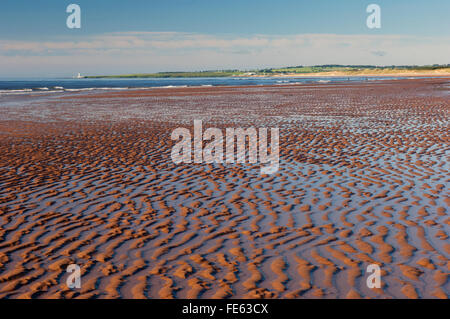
[(88, 179)]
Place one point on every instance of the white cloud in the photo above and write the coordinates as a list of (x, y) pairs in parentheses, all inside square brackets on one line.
[(157, 51)]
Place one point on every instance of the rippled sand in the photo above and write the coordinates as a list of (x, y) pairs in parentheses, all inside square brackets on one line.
[(87, 178)]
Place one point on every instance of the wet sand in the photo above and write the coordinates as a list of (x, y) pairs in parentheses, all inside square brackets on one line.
[(87, 178)]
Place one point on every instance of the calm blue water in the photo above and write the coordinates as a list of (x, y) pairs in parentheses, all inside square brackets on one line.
[(21, 86)]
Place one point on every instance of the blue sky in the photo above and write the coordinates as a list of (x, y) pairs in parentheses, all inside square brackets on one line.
[(148, 36)]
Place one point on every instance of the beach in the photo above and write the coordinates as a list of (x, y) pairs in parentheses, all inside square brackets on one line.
[(445, 72), (87, 178)]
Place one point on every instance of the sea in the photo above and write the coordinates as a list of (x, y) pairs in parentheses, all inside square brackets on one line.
[(58, 85)]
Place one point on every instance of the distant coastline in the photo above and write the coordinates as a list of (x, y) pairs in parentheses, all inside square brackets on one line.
[(299, 71)]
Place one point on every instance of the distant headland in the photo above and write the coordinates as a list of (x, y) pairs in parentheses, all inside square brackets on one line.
[(304, 71)]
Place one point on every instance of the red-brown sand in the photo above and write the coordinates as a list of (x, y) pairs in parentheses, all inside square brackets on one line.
[(87, 178)]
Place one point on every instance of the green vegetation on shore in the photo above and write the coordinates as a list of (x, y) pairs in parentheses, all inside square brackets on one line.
[(206, 74), (292, 70)]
